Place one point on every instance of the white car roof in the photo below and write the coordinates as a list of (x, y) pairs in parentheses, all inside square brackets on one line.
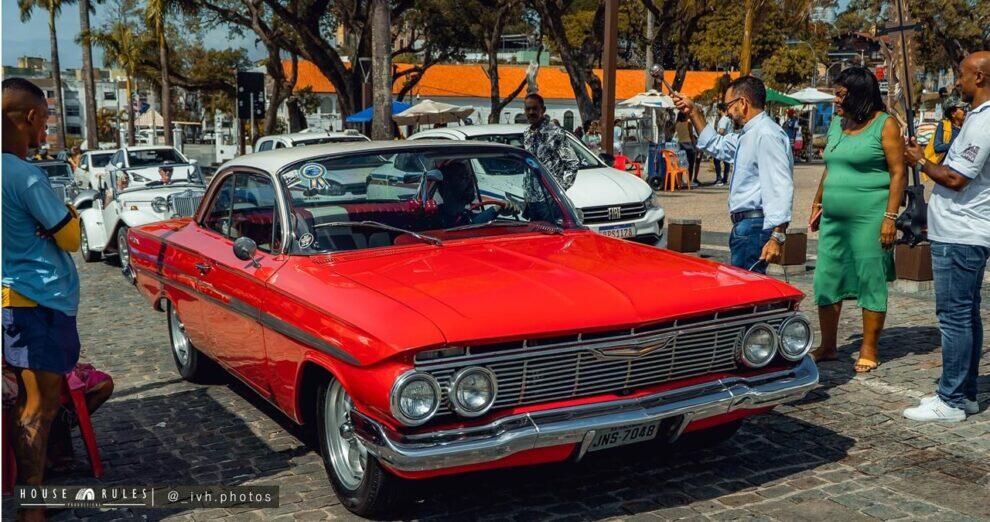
[(100, 152), (304, 136), (275, 160), (470, 131), (148, 147)]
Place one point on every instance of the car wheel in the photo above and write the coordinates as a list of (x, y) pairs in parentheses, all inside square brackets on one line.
[(707, 438), (125, 255), (362, 485), (193, 366), (88, 255)]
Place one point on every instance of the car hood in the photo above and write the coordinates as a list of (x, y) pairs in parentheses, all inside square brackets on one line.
[(607, 186), (492, 290)]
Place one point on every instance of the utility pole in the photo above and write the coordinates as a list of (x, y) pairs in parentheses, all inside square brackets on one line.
[(649, 49), (608, 66), (747, 43), (381, 69)]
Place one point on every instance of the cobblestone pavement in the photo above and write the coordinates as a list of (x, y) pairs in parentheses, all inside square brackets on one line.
[(842, 453)]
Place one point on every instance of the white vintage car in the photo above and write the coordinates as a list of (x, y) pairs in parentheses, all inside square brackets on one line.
[(142, 162), (612, 202), (93, 168), (300, 139), (106, 215)]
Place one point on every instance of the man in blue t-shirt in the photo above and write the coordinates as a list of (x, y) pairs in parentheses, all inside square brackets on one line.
[(40, 284)]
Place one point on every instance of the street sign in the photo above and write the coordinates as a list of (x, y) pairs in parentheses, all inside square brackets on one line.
[(250, 88)]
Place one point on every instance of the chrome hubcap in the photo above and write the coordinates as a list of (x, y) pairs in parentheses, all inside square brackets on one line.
[(125, 256), (347, 455), (180, 343)]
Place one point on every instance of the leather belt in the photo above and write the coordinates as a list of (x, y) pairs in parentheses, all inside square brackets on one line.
[(745, 214)]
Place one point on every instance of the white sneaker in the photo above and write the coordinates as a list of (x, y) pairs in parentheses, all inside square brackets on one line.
[(935, 410), (971, 408)]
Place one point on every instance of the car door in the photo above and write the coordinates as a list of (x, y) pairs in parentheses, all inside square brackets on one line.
[(233, 290)]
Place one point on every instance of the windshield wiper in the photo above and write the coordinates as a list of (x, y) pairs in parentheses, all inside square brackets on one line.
[(539, 227), (374, 224)]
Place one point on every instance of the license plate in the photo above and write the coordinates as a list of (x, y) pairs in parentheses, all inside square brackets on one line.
[(622, 435), (619, 231)]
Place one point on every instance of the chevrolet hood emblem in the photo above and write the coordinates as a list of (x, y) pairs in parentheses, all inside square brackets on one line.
[(636, 349)]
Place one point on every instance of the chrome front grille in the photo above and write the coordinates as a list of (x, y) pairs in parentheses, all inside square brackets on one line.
[(609, 213), (185, 206), (538, 371)]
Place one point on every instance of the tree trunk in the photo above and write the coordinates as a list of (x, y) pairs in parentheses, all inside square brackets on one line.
[(57, 79), (281, 87), (130, 111), (297, 120), (381, 70), (578, 69), (89, 82), (166, 86)]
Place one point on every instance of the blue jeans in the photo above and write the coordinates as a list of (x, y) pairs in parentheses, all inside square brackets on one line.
[(958, 273), (746, 242)]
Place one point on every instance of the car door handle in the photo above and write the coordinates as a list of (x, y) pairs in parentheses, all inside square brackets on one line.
[(203, 268)]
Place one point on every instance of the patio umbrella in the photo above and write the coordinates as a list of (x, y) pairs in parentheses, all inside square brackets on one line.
[(811, 95), (366, 115), (776, 96), (429, 111), (649, 98)]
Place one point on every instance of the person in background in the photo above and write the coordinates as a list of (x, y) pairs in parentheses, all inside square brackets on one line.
[(762, 191), (593, 138), (617, 137), (723, 125), (959, 231), (548, 143), (951, 124), (579, 132), (97, 387), (40, 283), (75, 155), (859, 196), (791, 125), (687, 140)]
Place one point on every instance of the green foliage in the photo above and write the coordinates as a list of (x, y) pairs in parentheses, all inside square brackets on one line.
[(720, 35), (789, 67)]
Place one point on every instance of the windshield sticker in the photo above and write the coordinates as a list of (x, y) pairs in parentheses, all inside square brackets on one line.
[(306, 240), (312, 176)]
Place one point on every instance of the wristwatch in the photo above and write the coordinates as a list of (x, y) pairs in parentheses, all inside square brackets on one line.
[(779, 237), (921, 162)]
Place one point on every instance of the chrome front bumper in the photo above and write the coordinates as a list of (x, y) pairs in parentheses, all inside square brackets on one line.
[(509, 435)]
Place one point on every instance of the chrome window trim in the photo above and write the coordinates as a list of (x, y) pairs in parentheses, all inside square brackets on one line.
[(280, 202)]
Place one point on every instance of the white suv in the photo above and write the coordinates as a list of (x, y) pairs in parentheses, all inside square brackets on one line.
[(299, 139), (613, 203)]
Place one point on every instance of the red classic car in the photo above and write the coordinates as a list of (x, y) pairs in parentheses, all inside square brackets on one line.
[(437, 308)]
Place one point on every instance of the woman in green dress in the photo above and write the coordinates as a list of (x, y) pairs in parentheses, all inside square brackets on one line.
[(859, 195)]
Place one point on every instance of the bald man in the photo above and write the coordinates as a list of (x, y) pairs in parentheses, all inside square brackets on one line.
[(40, 284), (959, 230)]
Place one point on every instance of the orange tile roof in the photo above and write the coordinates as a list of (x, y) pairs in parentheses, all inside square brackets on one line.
[(470, 81)]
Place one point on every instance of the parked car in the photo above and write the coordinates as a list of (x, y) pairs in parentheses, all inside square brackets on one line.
[(60, 175), (299, 139), (93, 168), (108, 214), (612, 202), (433, 331), (141, 163)]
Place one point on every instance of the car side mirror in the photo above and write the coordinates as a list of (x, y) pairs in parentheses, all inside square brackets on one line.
[(245, 248), (194, 161), (607, 158), (119, 164), (83, 167)]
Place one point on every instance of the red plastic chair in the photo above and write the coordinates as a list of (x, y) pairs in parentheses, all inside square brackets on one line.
[(78, 400)]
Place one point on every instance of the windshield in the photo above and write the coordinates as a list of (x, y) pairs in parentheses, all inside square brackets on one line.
[(443, 192), (57, 170), (325, 139), (151, 157), (586, 157), (101, 160)]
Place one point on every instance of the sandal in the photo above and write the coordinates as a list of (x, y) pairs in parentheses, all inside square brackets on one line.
[(865, 365), (821, 355)]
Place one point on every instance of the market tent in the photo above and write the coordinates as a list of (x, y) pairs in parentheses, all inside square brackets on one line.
[(775, 96), (366, 115), (649, 98), (811, 95), (429, 111)]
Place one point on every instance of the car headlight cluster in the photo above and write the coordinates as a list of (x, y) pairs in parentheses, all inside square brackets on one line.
[(653, 201), (160, 205), (416, 396), (762, 342)]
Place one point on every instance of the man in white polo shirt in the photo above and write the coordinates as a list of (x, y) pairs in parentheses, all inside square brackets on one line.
[(959, 231)]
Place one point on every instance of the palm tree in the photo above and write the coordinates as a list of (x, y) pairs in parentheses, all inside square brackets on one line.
[(155, 13), (89, 82), (122, 48), (53, 7)]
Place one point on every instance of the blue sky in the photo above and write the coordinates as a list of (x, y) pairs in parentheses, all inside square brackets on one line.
[(31, 37)]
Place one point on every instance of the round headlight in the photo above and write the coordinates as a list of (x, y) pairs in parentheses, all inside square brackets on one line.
[(759, 346), (160, 205), (473, 390), (796, 338), (415, 398)]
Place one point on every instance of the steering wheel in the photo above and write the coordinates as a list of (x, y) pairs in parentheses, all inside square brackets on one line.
[(481, 204)]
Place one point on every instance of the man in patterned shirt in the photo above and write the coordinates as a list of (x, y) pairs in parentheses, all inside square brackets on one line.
[(549, 143)]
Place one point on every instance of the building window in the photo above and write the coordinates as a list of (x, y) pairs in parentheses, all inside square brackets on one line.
[(72, 111), (50, 94), (569, 120), (73, 129), (109, 96)]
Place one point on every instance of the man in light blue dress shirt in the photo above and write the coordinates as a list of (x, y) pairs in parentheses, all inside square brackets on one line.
[(761, 193)]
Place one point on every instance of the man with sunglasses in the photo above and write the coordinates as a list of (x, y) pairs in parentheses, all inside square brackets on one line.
[(762, 189)]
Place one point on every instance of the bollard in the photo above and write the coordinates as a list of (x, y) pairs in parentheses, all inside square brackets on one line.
[(795, 254), (914, 268), (684, 235)]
